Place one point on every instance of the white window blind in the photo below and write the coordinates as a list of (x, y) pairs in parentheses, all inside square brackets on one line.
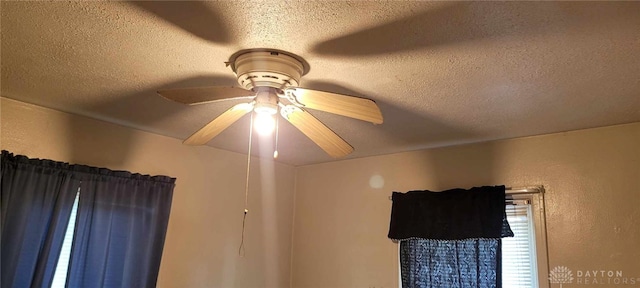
[(518, 252), (60, 275)]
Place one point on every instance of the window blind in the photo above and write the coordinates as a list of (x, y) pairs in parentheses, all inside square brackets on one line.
[(518, 252)]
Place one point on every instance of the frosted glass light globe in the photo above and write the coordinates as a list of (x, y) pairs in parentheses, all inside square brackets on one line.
[(264, 123)]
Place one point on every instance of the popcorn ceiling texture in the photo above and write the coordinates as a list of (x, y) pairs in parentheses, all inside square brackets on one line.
[(443, 73)]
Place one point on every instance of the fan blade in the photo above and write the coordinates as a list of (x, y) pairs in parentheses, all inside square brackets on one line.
[(319, 133), (349, 106), (216, 126), (194, 17), (201, 95)]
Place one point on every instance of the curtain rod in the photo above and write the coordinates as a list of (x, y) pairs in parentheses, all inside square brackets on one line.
[(520, 190), (524, 190)]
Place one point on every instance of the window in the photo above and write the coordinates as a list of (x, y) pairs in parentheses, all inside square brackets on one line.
[(519, 267), (524, 257), (60, 275)]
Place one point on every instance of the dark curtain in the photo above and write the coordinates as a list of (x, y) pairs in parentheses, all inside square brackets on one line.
[(122, 221), (36, 199), (450, 239), (120, 229)]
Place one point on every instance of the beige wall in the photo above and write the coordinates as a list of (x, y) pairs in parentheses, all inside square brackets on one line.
[(592, 181), (202, 242)]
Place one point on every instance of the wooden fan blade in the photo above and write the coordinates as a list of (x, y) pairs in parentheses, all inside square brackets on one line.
[(218, 125), (319, 133), (201, 95), (349, 106)]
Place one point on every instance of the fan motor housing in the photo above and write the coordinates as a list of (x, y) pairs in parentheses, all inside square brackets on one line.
[(268, 68)]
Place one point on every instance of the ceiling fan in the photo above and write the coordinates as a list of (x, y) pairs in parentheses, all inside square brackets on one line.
[(269, 81)]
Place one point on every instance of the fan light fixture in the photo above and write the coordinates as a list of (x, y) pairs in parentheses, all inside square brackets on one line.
[(269, 81), (264, 123), (266, 106)]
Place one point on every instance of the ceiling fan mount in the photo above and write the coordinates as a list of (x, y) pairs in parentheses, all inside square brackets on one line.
[(267, 68)]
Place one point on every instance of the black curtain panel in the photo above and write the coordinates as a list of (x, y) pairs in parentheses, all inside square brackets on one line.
[(119, 234), (36, 199), (450, 239), (122, 221)]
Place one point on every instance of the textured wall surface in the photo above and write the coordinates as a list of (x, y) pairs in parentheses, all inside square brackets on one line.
[(203, 237), (592, 181)]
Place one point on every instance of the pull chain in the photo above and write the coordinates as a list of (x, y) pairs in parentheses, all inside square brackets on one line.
[(275, 152), (246, 189)]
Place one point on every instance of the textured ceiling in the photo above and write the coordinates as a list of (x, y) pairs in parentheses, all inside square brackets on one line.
[(443, 73)]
